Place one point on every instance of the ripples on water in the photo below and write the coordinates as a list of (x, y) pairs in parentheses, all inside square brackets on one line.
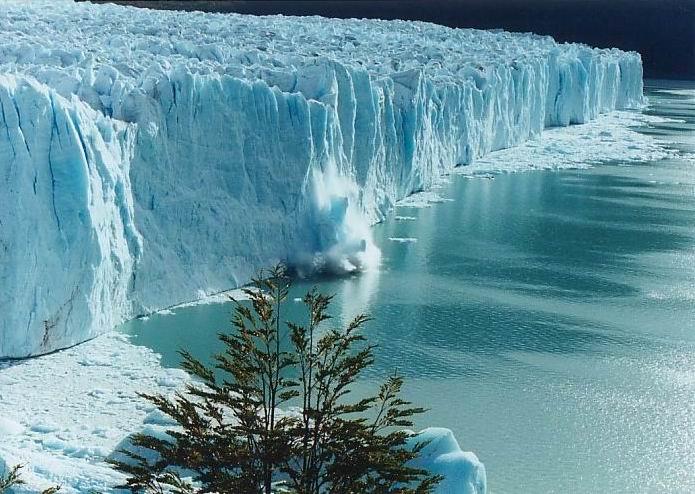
[(547, 318)]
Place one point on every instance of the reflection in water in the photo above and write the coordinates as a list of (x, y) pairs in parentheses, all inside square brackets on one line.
[(547, 318), (357, 293)]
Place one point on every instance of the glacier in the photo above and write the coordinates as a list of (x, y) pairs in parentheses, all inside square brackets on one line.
[(149, 158)]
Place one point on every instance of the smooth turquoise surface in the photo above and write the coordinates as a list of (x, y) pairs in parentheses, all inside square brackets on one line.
[(547, 318)]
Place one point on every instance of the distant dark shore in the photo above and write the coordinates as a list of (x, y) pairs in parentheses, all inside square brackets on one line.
[(663, 31)]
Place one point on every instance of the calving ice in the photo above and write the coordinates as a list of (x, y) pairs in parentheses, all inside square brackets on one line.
[(148, 159)]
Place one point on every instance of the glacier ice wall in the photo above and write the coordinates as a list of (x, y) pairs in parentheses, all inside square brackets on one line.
[(148, 157), (67, 235)]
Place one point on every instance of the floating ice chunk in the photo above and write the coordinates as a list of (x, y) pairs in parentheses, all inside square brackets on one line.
[(462, 471), (422, 200)]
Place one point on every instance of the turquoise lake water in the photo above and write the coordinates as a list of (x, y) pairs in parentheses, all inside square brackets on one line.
[(547, 318)]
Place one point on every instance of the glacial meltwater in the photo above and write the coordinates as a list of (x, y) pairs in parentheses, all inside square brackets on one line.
[(547, 318)]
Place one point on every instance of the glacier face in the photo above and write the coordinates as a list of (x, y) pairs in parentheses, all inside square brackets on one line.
[(150, 157), (68, 238)]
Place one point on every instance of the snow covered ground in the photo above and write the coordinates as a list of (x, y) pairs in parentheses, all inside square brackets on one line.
[(62, 414), (149, 157)]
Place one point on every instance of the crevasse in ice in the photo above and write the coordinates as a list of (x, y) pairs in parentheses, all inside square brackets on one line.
[(147, 157)]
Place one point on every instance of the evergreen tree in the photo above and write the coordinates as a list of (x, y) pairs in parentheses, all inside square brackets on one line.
[(13, 479), (233, 437)]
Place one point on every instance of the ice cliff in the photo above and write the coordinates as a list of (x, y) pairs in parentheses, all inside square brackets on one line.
[(148, 158)]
